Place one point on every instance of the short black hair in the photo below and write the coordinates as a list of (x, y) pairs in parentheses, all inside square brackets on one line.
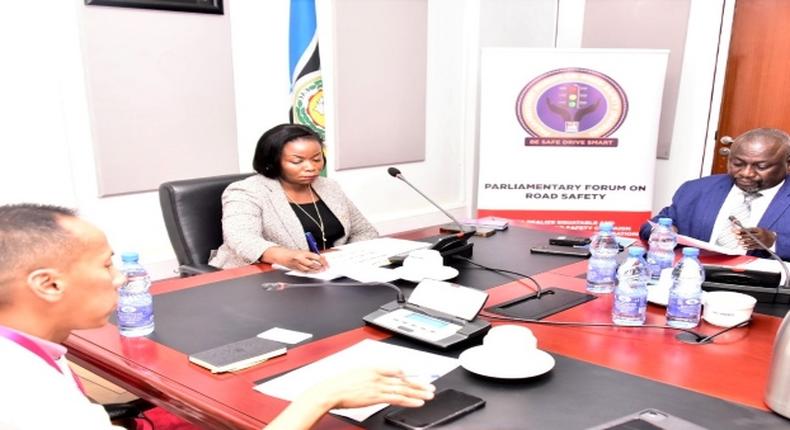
[(29, 232), (270, 147)]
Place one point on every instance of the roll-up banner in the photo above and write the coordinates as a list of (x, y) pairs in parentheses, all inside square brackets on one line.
[(568, 137)]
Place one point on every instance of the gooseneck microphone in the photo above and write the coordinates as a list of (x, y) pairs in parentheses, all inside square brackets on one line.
[(765, 248), (395, 173), (279, 286)]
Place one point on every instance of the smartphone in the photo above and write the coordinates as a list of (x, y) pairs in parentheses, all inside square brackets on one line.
[(569, 241), (445, 406), (560, 250), (648, 419)]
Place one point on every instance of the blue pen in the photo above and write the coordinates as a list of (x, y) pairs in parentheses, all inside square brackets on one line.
[(311, 243)]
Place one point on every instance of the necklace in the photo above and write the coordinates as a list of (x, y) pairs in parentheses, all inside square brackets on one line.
[(319, 223)]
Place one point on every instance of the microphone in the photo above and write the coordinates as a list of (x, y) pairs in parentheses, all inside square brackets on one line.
[(279, 286), (395, 173), (765, 248)]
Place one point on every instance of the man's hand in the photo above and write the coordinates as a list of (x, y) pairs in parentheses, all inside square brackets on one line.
[(356, 388), (767, 237), (363, 387)]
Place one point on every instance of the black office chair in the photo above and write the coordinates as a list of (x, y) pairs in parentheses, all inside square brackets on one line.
[(192, 209)]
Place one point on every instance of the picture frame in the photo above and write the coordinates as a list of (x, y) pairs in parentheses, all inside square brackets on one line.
[(199, 6)]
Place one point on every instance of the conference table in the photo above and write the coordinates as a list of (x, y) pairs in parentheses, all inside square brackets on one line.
[(601, 373)]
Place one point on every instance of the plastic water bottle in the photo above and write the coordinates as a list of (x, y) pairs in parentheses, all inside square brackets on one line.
[(135, 305), (661, 253), (629, 305), (685, 295), (602, 267)]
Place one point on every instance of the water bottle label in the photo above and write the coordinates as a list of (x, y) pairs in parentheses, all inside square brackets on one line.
[(656, 262), (684, 307), (629, 306), (134, 316), (665, 260), (602, 271)]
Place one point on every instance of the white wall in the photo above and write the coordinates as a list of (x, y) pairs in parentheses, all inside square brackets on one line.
[(158, 82), (53, 92), (691, 139), (46, 126), (35, 164), (48, 152), (260, 64)]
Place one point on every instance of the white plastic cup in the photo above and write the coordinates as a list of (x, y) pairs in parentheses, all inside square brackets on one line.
[(727, 308), (511, 340)]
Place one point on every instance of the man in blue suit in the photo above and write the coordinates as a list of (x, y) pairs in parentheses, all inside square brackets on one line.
[(755, 190)]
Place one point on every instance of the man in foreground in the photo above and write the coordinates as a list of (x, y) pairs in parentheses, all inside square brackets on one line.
[(755, 190), (57, 275)]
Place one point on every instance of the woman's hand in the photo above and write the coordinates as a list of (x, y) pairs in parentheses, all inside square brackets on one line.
[(303, 261)]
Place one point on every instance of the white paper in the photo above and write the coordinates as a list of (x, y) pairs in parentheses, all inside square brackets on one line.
[(365, 354), (370, 274), (326, 275), (283, 335), (707, 246), (388, 246), (359, 260)]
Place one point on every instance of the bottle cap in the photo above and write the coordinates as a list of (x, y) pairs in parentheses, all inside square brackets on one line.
[(606, 226), (636, 251), (690, 252), (130, 257), (666, 222)]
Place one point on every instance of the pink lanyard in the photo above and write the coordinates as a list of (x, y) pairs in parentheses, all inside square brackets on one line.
[(31, 346)]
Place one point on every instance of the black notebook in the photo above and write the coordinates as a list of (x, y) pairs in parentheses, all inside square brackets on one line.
[(238, 355)]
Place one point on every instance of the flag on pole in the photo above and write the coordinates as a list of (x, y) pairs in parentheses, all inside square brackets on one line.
[(307, 91)]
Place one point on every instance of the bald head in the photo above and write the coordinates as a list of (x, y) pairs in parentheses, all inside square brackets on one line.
[(32, 236), (759, 159), (56, 273)]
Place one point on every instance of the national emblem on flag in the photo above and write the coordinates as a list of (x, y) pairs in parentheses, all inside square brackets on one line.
[(307, 91)]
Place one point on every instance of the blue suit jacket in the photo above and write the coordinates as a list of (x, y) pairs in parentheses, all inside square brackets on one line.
[(696, 204)]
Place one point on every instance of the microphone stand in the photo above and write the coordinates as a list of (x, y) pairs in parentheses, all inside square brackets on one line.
[(767, 249), (397, 174), (448, 246)]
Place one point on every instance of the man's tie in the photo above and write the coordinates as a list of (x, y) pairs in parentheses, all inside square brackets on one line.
[(742, 212)]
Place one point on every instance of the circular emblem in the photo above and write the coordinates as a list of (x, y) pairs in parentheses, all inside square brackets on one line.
[(308, 102), (571, 102)]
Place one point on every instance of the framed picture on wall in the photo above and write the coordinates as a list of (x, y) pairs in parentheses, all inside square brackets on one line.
[(201, 6)]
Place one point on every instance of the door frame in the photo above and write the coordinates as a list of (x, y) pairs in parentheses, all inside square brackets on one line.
[(714, 113)]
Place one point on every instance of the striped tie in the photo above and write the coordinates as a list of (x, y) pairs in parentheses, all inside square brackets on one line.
[(742, 212)]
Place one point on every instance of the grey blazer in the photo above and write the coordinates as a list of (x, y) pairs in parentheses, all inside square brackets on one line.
[(256, 216)]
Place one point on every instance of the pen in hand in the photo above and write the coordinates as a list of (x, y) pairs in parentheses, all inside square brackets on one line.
[(311, 243), (313, 246)]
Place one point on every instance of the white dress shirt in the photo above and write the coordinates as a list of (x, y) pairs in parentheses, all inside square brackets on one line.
[(735, 198), (34, 395)]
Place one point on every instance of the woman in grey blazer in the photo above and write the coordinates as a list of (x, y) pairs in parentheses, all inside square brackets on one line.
[(266, 217)]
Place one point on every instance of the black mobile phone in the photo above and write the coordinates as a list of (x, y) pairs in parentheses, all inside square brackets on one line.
[(560, 250), (648, 419), (569, 240), (446, 405)]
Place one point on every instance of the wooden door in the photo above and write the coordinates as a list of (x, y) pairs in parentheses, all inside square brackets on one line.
[(757, 82)]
